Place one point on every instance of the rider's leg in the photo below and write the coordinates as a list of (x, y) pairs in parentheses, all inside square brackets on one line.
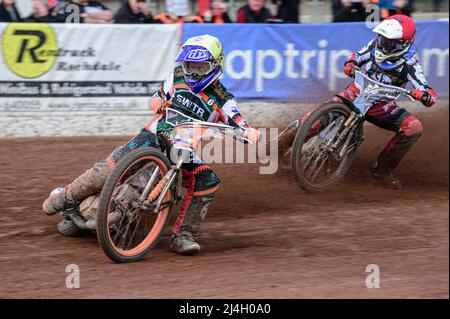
[(202, 184), (91, 182), (408, 130), (87, 184), (349, 93)]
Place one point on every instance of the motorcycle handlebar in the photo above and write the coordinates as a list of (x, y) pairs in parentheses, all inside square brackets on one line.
[(236, 132), (397, 90)]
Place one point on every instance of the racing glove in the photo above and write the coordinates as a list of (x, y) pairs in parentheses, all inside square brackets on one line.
[(157, 105), (428, 98), (252, 134), (350, 65)]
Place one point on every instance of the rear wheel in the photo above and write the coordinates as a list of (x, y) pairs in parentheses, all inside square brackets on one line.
[(126, 231), (316, 161)]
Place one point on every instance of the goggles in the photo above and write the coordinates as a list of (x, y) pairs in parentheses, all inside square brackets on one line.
[(197, 68), (390, 46)]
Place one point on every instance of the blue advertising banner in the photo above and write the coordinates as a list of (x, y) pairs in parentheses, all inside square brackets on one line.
[(304, 62)]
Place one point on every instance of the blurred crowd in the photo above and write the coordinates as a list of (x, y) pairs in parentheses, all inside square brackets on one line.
[(206, 11)]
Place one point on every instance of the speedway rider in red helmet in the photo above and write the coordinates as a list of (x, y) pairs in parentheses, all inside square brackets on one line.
[(391, 58)]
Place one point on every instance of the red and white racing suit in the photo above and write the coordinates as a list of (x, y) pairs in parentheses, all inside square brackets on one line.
[(388, 115)]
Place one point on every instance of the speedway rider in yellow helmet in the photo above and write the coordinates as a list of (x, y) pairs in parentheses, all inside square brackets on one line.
[(194, 89)]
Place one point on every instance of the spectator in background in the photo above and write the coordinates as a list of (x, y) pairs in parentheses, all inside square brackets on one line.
[(391, 7), (203, 6), (165, 18), (53, 7), (253, 12), (40, 12), (287, 10), (177, 11), (90, 12), (350, 10), (8, 12), (216, 11), (134, 11)]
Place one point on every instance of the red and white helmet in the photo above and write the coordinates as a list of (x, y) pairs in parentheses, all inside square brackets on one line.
[(395, 37)]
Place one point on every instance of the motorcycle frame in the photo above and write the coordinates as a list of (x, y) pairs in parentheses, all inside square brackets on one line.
[(174, 172)]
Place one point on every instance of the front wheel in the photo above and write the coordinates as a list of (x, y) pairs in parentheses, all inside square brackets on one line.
[(126, 231), (321, 155)]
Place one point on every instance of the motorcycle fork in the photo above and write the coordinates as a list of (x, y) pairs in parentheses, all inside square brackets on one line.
[(350, 119), (168, 179), (150, 182), (350, 126)]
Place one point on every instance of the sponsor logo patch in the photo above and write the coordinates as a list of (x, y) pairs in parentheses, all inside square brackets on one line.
[(29, 49), (198, 55)]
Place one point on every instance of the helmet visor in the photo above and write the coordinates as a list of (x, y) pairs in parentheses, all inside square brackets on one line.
[(390, 45), (197, 68)]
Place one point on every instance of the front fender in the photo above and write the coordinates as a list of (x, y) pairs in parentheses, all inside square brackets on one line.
[(349, 103)]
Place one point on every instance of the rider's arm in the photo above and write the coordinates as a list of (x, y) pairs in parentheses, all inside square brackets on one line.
[(233, 117), (159, 100), (230, 115), (358, 59), (422, 91), (161, 97)]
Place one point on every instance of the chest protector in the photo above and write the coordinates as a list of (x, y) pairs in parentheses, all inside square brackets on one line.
[(395, 73), (205, 106)]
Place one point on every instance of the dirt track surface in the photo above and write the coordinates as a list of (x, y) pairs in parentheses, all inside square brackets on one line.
[(263, 237)]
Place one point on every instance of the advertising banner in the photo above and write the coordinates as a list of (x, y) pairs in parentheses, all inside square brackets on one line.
[(304, 63), (73, 67), (84, 79)]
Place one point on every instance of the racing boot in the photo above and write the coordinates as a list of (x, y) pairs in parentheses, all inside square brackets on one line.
[(393, 153), (184, 244), (183, 239), (385, 177), (57, 202)]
